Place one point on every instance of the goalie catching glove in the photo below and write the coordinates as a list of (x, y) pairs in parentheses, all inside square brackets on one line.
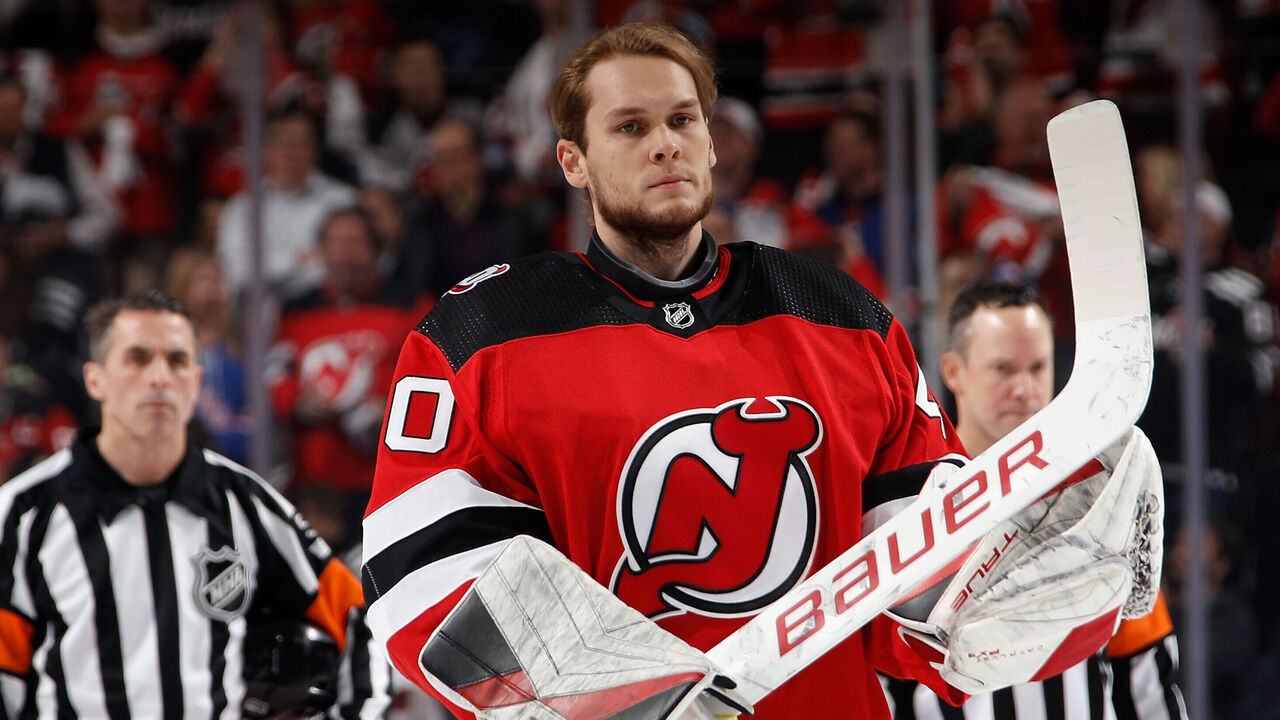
[(1048, 587), (536, 638)]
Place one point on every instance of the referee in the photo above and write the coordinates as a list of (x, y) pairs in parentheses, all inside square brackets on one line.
[(999, 366), (132, 563)]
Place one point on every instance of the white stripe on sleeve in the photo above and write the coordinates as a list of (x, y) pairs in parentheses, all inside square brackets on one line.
[(427, 586), (424, 504)]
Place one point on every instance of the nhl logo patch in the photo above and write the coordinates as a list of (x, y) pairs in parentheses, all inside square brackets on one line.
[(679, 315), (224, 584)]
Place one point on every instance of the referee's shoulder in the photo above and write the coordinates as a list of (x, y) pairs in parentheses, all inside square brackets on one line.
[(41, 475), (231, 473)]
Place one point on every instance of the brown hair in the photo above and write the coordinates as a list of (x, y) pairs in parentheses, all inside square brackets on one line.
[(100, 317), (179, 274), (569, 99)]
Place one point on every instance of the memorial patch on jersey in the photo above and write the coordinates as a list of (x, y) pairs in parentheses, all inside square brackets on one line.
[(224, 583), (685, 492), (475, 279)]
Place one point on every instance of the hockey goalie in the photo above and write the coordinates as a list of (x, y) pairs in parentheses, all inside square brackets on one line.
[(643, 481)]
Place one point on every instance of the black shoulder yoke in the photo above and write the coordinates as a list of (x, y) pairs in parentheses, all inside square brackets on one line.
[(554, 293), (783, 283), (539, 295)]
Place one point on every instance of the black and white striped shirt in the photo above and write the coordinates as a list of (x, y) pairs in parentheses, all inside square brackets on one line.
[(122, 602), (1138, 687)]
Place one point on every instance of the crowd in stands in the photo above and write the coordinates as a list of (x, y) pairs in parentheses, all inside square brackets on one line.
[(408, 145)]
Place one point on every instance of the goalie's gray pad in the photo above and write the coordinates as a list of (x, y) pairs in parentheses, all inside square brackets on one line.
[(536, 638), (1047, 588)]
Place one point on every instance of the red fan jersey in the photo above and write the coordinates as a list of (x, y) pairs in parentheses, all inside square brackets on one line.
[(142, 89), (698, 447), (345, 354)]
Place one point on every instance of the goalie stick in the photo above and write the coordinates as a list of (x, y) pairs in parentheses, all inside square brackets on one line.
[(1107, 390)]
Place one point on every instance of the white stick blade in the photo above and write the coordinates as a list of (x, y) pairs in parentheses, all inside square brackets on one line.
[(1099, 211)]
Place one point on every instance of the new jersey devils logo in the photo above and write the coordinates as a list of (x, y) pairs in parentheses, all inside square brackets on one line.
[(718, 508)]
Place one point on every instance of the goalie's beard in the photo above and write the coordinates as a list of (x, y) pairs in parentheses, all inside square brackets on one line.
[(651, 233)]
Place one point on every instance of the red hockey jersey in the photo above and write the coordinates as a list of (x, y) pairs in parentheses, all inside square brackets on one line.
[(698, 447)]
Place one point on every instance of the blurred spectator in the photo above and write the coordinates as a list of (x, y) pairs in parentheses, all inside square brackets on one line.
[(35, 163), (345, 37), (1140, 58), (991, 46), (808, 235), (520, 116), (1008, 38), (50, 285), (296, 199), (462, 227), (1007, 208), (398, 146), (119, 102), (210, 104), (194, 277), (1238, 339), (32, 424), (386, 212), (815, 55), (1233, 630), (204, 233), (330, 369), (479, 40), (1238, 343), (35, 68), (755, 207), (849, 194), (1157, 176)]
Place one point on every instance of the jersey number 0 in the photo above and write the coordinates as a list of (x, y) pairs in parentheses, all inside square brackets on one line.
[(397, 437)]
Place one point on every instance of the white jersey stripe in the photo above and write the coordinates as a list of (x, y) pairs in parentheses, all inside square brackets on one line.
[(1075, 692), (424, 504), (34, 476), (242, 532), (282, 536), (1146, 674), (64, 564), (1028, 701), (427, 586), (45, 700), (979, 707), (126, 545), (21, 598), (187, 535)]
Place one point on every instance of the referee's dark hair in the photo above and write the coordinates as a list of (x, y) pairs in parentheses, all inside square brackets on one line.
[(989, 293), (98, 319)]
